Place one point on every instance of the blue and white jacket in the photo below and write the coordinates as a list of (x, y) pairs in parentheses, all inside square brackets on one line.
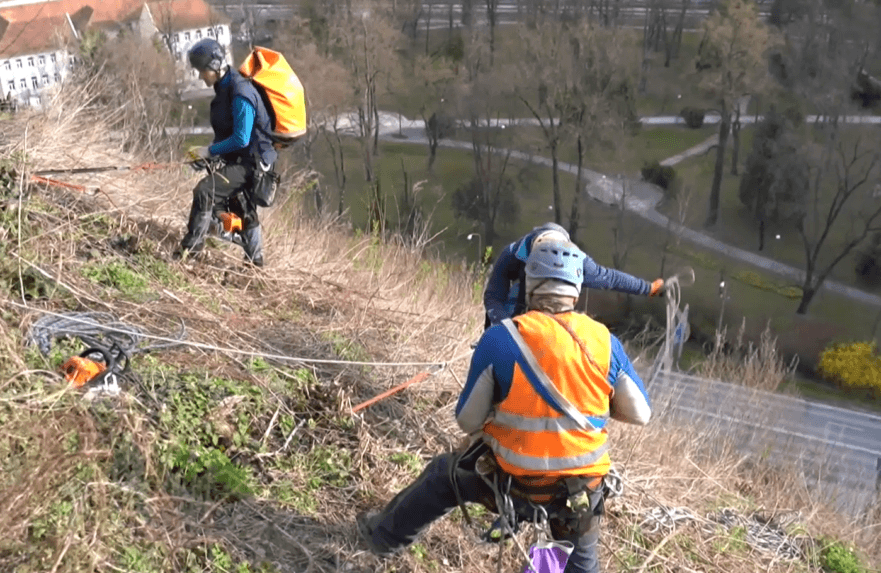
[(505, 297), (492, 371)]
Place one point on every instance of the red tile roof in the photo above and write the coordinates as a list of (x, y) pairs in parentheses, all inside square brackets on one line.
[(34, 36), (32, 27), (184, 15)]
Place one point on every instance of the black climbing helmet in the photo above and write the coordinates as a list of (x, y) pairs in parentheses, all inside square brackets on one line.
[(207, 54)]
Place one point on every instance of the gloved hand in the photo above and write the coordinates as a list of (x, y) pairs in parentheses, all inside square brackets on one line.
[(199, 153), (657, 287)]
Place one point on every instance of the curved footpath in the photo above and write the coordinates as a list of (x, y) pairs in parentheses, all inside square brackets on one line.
[(640, 198)]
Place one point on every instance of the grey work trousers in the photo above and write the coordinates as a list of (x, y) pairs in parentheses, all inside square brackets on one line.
[(433, 495), (225, 190)]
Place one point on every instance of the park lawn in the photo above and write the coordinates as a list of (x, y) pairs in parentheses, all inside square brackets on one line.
[(669, 89), (737, 225), (452, 169), (751, 295), (645, 145)]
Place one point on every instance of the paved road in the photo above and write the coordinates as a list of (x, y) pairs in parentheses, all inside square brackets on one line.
[(837, 450)]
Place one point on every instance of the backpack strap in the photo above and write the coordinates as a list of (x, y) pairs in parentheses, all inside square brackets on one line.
[(543, 384)]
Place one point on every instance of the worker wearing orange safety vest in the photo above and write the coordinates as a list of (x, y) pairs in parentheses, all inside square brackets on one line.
[(540, 391)]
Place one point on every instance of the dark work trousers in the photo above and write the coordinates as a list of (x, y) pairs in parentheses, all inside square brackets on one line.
[(222, 191), (432, 495)]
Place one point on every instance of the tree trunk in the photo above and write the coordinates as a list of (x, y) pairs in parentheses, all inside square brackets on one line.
[(735, 140), (574, 214), (806, 297), (427, 28), (466, 13), (491, 12), (555, 174), (715, 190)]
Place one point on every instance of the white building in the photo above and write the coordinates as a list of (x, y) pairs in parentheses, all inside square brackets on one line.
[(34, 36), (32, 57)]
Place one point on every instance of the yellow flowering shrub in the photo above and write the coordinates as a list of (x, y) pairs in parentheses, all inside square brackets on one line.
[(853, 366)]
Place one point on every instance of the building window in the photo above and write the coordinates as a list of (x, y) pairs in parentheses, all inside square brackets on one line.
[(45, 79), (30, 62), (7, 65), (11, 85), (34, 82), (18, 63), (23, 84), (41, 60), (176, 38), (198, 34), (57, 77), (210, 32), (186, 36), (52, 57)]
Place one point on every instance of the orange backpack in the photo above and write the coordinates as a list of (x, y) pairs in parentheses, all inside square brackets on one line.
[(281, 91)]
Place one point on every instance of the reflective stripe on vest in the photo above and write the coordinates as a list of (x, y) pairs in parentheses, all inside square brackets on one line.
[(526, 433), (545, 464), (529, 424)]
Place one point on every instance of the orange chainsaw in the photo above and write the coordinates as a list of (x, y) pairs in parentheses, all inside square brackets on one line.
[(101, 373)]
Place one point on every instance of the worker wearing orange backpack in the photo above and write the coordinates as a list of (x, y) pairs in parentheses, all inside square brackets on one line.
[(243, 144)]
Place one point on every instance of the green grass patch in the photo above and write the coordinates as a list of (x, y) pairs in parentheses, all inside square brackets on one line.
[(118, 275)]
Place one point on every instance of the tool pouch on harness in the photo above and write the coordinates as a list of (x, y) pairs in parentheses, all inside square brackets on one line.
[(584, 505), (266, 182)]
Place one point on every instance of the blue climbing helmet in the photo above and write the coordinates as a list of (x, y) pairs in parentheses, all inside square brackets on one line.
[(559, 260), (207, 54)]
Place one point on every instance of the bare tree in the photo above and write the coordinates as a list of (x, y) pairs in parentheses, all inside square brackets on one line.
[(492, 14), (491, 193), (369, 51), (432, 85), (569, 73), (731, 63), (849, 206)]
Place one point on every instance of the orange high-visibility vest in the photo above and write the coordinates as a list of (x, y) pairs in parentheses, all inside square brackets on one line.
[(528, 436)]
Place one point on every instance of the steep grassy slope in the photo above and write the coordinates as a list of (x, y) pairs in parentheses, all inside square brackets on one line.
[(234, 448)]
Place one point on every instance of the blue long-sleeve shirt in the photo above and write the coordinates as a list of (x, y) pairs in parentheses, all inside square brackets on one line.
[(492, 371), (243, 114), (504, 296)]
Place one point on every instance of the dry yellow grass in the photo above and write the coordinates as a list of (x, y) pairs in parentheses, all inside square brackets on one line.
[(326, 294)]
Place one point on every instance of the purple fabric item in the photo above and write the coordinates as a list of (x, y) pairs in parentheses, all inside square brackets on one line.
[(549, 557)]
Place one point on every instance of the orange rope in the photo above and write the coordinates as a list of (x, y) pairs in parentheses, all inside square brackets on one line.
[(414, 380), (55, 183)]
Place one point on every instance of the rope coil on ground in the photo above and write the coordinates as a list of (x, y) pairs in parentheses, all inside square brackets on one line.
[(761, 534), (94, 329)]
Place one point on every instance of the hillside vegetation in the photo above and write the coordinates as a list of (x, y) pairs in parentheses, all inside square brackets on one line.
[(233, 446)]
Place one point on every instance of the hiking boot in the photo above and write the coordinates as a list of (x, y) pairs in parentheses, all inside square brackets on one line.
[(366, 525), (183, 253)]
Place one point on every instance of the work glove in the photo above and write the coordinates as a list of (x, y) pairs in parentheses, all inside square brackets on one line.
[(657, 287), (199, 153)]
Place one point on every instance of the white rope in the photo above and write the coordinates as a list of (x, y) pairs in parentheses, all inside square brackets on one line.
[(764, 535), (250, 353), (676, 330)]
